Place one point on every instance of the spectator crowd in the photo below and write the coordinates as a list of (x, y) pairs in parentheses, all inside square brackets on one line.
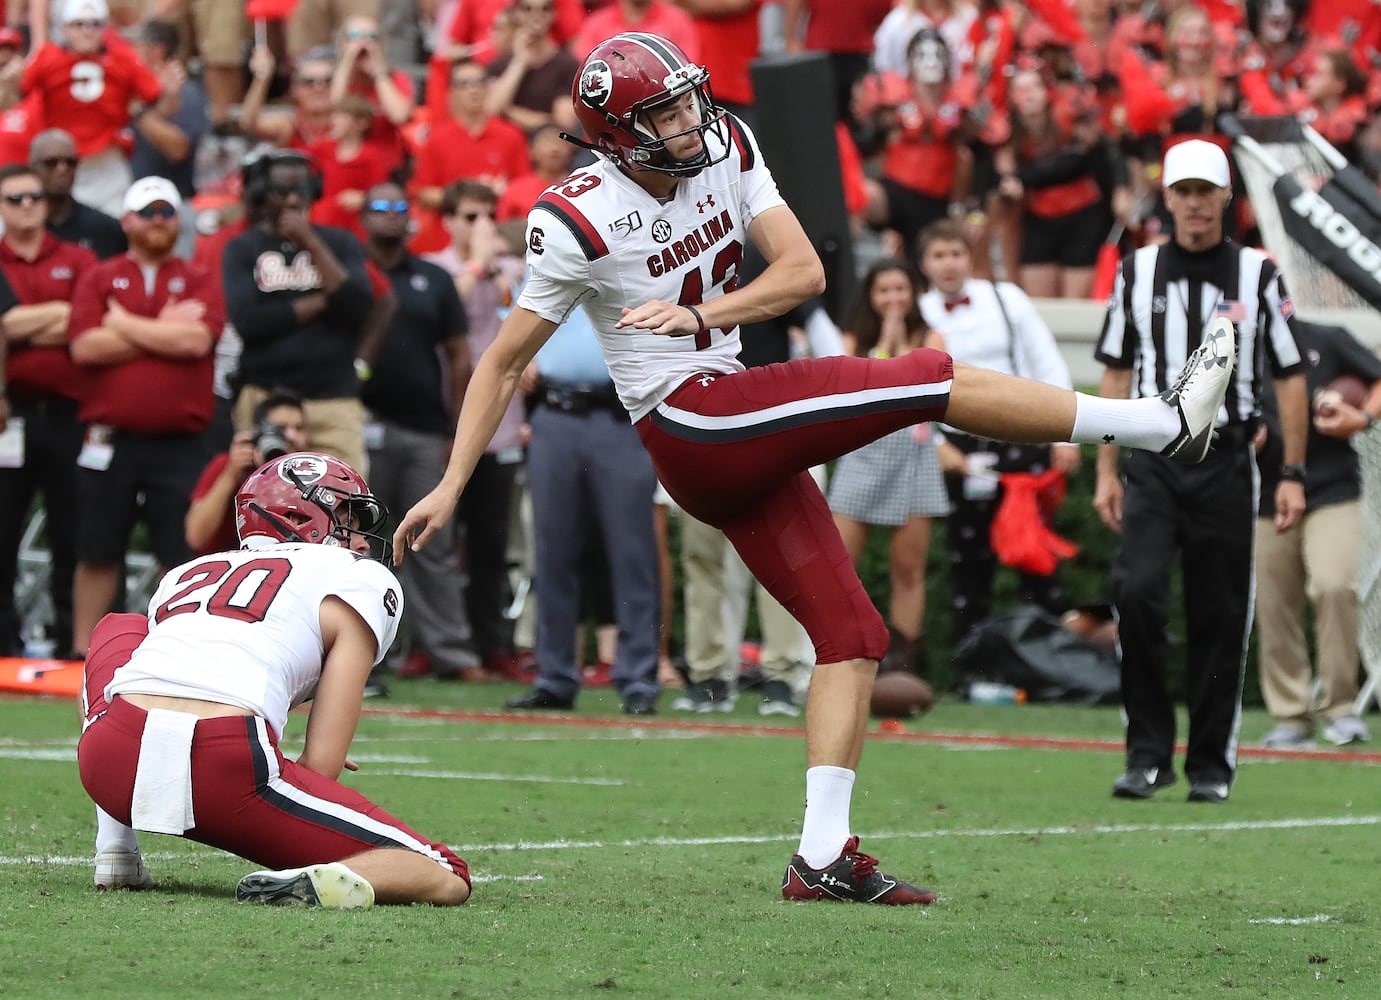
[(230, 228)]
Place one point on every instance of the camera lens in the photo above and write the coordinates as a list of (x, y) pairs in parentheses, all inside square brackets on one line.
[(269, 441)]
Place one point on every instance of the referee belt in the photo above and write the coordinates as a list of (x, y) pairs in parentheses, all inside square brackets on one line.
[(578, 399)]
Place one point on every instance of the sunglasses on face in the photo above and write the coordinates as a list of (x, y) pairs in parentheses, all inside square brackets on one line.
[(303, 189), (356, 34), (53, 162), (164, 212), (399, 207), (25, 197), (466, 82)]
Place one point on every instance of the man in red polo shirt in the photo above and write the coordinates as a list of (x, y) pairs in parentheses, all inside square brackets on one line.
[(92, 84), (44, 387), (144, 326), (469, 145)]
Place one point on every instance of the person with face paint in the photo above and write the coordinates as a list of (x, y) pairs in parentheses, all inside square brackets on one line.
[(1277, 59), (925, 165)]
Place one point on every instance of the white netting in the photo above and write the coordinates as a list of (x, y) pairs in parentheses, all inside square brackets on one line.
[(1312, 286)]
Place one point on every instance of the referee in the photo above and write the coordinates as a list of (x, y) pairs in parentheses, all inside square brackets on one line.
[(1163, 300)]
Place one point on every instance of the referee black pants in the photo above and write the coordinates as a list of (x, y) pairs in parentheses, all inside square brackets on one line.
[(1205, 514)]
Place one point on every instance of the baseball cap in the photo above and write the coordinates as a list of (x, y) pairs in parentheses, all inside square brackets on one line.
[(85, 10), (1196, 159), (147, 190)]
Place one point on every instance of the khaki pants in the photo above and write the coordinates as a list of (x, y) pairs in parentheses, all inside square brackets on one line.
[(711, 644), (335, 427), (1316, 559)]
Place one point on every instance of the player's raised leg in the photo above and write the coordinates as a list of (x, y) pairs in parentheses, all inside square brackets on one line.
[(1178, 423)]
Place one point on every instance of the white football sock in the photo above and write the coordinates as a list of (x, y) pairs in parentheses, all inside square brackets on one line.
[(112, 835), (1147, 423), (829, 792)]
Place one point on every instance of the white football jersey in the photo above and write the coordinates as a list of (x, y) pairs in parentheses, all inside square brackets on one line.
[(244, 628), (599, 240)]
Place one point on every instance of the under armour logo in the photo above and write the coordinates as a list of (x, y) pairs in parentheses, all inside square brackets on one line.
[(1216, 358), (705, 380), (1109, 438), (707, 203)]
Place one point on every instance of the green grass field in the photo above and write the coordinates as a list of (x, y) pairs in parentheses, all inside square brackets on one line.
[(643, 859)]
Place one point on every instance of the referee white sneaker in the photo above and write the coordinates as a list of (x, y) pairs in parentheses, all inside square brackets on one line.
[(1198, 392), (330, 885)]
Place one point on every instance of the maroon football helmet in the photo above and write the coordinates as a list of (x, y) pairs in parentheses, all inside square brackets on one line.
[(635, 72), (307, 497)]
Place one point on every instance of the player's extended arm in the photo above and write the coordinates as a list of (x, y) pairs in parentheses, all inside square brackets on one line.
[(793, 274), (491, 386), (350, 649)]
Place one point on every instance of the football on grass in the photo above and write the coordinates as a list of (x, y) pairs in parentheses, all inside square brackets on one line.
[(900, 695), (1348, 389)]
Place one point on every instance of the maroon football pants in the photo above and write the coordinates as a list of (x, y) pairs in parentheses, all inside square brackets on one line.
[(734, 450)]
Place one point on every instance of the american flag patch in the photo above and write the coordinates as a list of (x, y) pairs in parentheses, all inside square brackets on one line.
[(1233, 312)]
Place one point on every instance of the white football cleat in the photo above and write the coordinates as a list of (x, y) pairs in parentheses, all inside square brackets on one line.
[(121, 869), (330, 885), (1198, 392)]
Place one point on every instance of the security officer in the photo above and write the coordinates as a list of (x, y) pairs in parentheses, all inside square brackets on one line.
[(587, 468), (413, 391), (1164, 300)]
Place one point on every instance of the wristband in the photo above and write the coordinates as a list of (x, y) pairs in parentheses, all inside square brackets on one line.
[(1292, 472), (698, 319)]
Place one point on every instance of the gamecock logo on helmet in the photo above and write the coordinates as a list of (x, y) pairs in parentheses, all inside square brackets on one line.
[(596, 82), (308, 469)]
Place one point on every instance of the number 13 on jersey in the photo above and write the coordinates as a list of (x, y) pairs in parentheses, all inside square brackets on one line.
[(723, 271)]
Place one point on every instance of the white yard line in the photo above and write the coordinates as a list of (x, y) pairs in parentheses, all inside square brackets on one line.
[(483, 776), (1302, 823)]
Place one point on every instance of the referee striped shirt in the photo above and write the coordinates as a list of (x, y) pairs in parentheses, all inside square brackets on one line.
[(1163, 300)]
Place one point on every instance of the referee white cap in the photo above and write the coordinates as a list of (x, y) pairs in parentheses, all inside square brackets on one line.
[(1196, 159)]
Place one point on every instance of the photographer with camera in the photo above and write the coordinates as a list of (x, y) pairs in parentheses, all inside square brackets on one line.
[(301, 300), (280, 427)]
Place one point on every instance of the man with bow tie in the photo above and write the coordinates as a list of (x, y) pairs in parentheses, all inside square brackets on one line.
[(993, 325)]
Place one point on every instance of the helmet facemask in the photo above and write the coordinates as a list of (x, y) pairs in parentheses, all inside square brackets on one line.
[(361, 514), (651, 153), (313, 508)]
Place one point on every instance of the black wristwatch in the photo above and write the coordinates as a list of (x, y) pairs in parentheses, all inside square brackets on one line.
[(1292, 472)]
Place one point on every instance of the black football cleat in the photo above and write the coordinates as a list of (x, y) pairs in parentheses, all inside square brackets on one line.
[(1208, 791), (1142, 782), (852, 878), (539, 699)]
